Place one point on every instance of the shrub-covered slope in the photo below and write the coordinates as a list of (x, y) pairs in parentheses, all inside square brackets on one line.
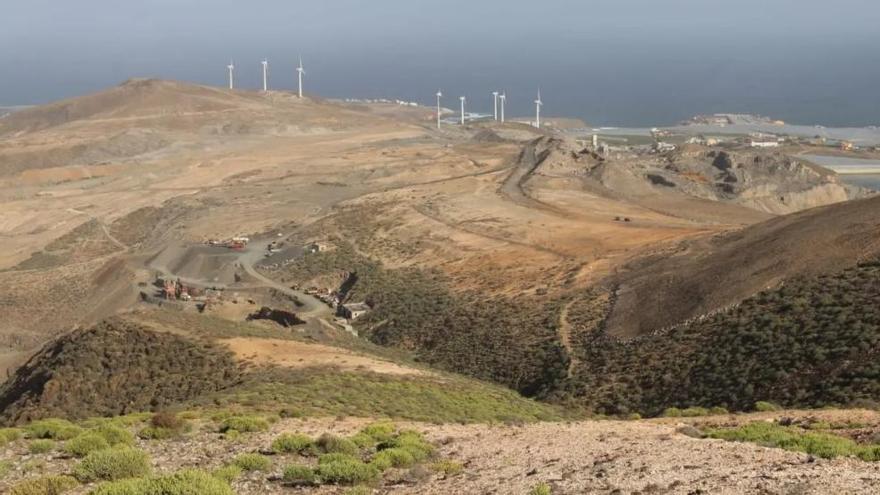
[(113, 368), (811, 343)]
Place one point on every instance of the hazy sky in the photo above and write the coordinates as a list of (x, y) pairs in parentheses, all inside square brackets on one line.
[(622, 61)]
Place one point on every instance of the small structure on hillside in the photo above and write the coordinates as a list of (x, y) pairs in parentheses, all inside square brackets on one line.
[(354, 311)]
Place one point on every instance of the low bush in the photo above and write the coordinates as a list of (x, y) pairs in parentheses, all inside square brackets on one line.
[(297, 473), (792, 438), (164, 419), (157, 433), (113, 464), (288, 443), (5, 467), (114, 435), (764, 406), (393, 457), (41, 446), (187, 482), (331, 443), (56, 429), (380, 432), (47, 485), (252, 462), (336, 457), (671, 412), (9, 435), (244, 424), (346, 471), (540, 489), (693, 412), (84, 444), (412, 442), (227, 473)]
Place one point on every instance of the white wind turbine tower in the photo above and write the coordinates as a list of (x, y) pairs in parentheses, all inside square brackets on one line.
[(503, 98), (538, 105), (439, 95), (231, 68), (462, 98), (265, 75), (495, 95), (299, 72)]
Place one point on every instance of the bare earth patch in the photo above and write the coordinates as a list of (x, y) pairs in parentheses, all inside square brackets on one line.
[(292, 354)]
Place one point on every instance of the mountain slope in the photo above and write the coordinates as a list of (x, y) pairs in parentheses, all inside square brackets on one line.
[(705, 275)]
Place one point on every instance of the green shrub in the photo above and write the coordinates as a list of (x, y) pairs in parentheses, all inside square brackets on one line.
[(232, 435), (227, 473), (671, 412), (5, 467), (47, 485), (633, 416), (540, 489), (790, 438), (331, 443), (85, 443), (447, 467), (56, 429), (764, 406), (335, 457), (693, 412), (380, 432), (297, 473), (287, 443), (252, 462), (41, 446), (114, 435), (346, 471), (362, 440), (244, 424), (157, 433), (393, 457), (9, 435), (113, 464), (718, 411), (412, 442), (186, 482)]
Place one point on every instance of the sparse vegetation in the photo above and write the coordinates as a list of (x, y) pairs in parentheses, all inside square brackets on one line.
[(252, 462), (84, 444), (187, 482), (541, 489), (227, 473), (41, 446), (244, 424), (345, 470), (792, 438), (325, 392), (298, 473), (56, 429), (333, 444), (287, 443)]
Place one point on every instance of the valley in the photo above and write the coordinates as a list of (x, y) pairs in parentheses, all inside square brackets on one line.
[(221, 253)]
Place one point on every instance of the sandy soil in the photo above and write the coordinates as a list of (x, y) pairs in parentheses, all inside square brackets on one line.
[(293, 354)]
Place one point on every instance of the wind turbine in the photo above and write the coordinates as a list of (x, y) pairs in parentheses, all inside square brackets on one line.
[(231, 68), (503, 98), (439, 95), (495, 95), (462, 98), (265, 75), (299, 72), (538, 105)]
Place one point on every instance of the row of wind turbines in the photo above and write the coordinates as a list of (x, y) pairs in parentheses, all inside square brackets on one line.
[(498, 97), (300, 72)]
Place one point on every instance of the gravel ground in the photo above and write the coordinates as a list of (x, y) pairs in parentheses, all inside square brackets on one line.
[(602, 457)]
